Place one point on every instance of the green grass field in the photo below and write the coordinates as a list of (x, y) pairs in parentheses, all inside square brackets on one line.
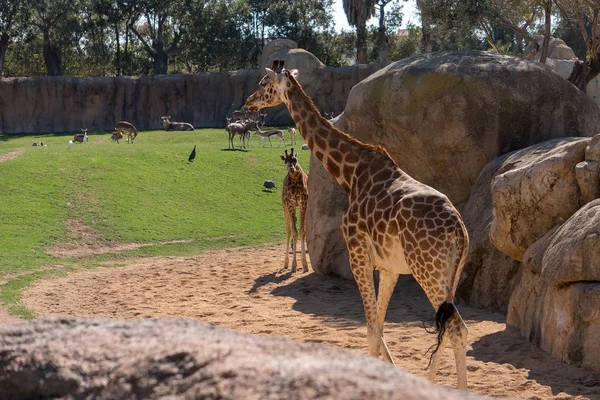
[(146, 193)]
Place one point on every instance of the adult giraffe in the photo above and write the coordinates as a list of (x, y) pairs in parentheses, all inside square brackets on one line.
[(393, 222)]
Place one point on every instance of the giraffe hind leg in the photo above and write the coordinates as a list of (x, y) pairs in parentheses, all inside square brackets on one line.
[(449, 325), (459, 340), (387, 283)]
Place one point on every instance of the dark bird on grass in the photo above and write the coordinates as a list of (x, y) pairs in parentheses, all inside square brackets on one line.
[(269, 185), (192, 155)]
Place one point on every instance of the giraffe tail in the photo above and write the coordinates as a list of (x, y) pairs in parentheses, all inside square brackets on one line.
[(444, 314)]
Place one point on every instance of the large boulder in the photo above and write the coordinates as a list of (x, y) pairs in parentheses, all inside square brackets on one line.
[(563, 320), (489, 276), (536, 190), (444, 116), (570, 252), (176, 358), (555, 304)]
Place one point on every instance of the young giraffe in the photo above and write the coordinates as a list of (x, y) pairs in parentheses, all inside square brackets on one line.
[(393, 223), (294, 195)]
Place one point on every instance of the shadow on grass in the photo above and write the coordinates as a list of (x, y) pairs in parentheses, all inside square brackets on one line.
[(242, 150)]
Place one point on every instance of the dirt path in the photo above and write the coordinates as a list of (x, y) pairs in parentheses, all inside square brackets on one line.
[(244, 290)]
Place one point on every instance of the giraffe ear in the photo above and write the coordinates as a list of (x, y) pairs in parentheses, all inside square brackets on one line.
[(294, 73), (270, 73), (282, 158), (296, 155)]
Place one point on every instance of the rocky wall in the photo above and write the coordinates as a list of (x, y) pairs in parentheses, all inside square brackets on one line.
[(66, 104)]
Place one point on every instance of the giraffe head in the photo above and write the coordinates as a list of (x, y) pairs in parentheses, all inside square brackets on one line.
[(272, 87), (291, 161)]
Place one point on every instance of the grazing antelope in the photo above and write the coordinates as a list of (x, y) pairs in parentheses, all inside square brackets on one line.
[(175, 126), (292, 132), (81, 137), (268, 134), (125, 127), (116, 135)]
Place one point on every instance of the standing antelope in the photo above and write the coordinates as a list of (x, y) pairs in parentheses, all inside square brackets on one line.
[(125, 127), (176, 126), (237, 128), (292, 132)]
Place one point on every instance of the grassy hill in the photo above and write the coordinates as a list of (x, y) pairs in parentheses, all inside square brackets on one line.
[(145, 193)]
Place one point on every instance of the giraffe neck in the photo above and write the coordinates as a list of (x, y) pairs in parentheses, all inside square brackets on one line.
[(341, 156)]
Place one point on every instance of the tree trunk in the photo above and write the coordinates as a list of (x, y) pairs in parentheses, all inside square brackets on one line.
[(3, 46), (52, 57), (383, 39), (118, 55), (161, 61), (545, 45), (426, 46), (361, 42)]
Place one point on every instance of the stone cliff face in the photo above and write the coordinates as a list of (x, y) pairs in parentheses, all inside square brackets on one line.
[(64, 104)]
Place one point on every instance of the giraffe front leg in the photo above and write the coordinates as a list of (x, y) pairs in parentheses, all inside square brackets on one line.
[(288, 232), (294, 230), (387, 283)]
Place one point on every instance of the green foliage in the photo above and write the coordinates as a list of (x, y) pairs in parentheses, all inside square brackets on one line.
[(146, 193)]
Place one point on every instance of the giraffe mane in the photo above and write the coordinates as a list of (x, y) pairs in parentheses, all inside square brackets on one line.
[(344, 135)]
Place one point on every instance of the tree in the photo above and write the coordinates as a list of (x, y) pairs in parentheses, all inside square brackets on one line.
[(583, 16), (220, 37), (393, 21), (159, 26), (57, 20), (301, 21), (10, 13), (357, 13)]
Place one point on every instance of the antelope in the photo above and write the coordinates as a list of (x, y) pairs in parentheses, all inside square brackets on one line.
[(292, 132), (81, 137), (129, 129), (268, 134), (238, 115), (237, 128), (176, 126), (116, 135)]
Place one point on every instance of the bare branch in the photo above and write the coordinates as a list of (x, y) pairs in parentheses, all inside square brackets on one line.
[(149, 49)]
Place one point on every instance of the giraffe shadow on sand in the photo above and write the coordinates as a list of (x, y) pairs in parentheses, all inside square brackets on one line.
[(273, 277), (333, 297)]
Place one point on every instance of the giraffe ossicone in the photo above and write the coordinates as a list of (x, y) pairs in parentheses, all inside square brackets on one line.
[(393, 223)]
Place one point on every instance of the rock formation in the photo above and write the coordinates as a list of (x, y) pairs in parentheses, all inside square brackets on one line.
[(543, 256), (177, 358), (443, 117)]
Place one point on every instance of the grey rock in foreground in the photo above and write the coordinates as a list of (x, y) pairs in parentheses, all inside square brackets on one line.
[(187, 359)]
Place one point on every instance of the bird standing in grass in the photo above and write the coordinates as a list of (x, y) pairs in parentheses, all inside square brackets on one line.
[(192, 155), (269, 185)]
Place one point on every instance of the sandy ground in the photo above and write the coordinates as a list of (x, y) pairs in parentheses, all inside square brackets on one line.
[(245, 289)]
